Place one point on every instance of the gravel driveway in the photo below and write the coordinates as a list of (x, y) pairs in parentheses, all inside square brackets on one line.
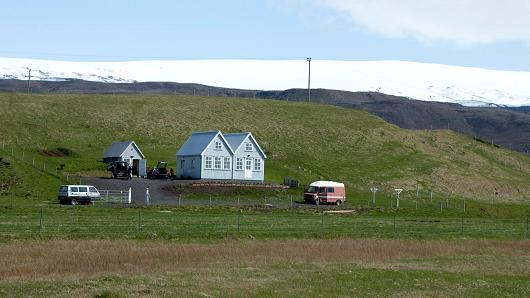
[(159, 195)]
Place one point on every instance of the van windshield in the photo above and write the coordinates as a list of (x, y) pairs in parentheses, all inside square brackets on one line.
[(313, 189)]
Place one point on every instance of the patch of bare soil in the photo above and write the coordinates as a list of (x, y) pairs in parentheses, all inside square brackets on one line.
[(51, 153)]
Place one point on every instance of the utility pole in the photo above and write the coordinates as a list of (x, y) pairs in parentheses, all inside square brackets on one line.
[(29, 78), (309, 81)]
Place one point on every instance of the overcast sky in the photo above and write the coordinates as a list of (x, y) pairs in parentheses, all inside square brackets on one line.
[(483, 33)]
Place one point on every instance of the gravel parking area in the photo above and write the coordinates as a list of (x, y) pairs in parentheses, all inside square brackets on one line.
[(158, 189)]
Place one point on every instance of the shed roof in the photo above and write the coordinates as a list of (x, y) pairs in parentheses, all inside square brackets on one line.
[(116, 149), (198, 142)]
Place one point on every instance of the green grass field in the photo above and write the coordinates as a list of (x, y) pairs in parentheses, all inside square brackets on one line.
[(426, 248), (305, 141)]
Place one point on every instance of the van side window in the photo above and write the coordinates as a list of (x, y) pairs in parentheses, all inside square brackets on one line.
[(74, 189), (331, 189), (82, 189), (93, 189)]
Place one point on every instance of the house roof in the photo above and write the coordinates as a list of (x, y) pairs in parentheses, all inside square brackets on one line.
[(236, 140), (116, 149), (199, 141)]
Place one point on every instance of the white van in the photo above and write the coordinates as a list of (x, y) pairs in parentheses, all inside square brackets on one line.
[(77, 194)]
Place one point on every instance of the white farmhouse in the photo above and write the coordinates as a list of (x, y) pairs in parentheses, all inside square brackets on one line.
[(218, 156)]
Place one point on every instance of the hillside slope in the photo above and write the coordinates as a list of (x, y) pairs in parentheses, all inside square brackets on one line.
[(305, 141), (509, 127)]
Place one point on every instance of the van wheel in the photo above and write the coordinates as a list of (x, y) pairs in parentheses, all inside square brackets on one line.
[(73, 202), (339, 202)]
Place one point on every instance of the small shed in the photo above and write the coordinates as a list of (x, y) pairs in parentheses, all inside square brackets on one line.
[(129, 152)]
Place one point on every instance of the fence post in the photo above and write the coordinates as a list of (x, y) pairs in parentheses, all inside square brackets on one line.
[(210, 200), (238, 220), (464, 205), (130, 196), (321, 223), (291, 206), (462, 226), (40, 222), (441, 206), (147, 196), (394, 224), (180, 197), (527, 226), (139, 220)]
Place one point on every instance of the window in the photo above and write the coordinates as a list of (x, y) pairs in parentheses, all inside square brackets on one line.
[(239, 164), (331, 189), (208, 162), (248, 146), (218, 145), (257, 164), (74, 189), (227, 163), (248, 164), (93, 189), (217, 164), (82, 189)]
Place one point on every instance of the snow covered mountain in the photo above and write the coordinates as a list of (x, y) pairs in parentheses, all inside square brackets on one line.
[(429, 82)]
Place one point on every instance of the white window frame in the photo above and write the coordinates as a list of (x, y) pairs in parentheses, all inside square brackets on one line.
[(257, 164), (249, 147), (227, 163), (239, 164), (218, 163), (208, 162), (218, 145)]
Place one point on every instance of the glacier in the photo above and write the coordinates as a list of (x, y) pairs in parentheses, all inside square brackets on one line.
[(469, 86)]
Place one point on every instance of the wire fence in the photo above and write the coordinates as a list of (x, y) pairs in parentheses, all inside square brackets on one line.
[(72, 222), (416, 199)]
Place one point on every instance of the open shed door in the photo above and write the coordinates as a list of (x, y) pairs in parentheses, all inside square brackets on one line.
[(142, 168)]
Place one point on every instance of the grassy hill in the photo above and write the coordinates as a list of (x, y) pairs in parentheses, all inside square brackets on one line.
[(304, 141)]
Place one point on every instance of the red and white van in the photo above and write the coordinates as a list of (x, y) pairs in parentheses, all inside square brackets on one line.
[(325, 192)]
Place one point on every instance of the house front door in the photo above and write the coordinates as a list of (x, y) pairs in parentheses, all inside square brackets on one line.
[(248, 168)]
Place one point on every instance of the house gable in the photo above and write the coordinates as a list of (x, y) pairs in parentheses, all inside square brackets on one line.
[(249, 138)]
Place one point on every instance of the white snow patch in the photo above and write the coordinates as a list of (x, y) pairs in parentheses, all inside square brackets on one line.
[(422, 81)]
